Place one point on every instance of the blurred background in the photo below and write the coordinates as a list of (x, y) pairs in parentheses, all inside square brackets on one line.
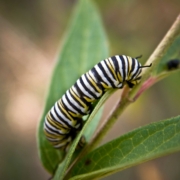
[(30, 34)]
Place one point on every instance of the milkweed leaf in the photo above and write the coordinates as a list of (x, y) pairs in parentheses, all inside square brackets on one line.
[(85, 45), (143, 144)]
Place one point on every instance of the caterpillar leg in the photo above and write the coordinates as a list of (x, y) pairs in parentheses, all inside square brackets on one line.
[(82, 142)]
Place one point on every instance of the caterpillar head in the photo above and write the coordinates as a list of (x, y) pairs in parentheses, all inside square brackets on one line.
[(134, 76)]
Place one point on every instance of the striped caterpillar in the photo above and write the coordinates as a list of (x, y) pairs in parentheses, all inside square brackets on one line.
[(64, 120)]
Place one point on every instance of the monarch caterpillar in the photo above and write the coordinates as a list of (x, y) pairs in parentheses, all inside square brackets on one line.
[(64, 120)]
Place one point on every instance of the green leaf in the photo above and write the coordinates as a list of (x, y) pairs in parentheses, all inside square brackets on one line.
[(84, 46), (143, 144)]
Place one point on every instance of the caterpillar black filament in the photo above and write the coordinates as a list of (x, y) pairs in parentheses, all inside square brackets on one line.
[(64, 120)]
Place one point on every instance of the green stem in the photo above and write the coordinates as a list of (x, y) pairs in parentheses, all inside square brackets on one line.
[(159, 52)]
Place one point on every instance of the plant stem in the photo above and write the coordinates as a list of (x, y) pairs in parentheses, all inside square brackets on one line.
[(158, 53), (154, 59)]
